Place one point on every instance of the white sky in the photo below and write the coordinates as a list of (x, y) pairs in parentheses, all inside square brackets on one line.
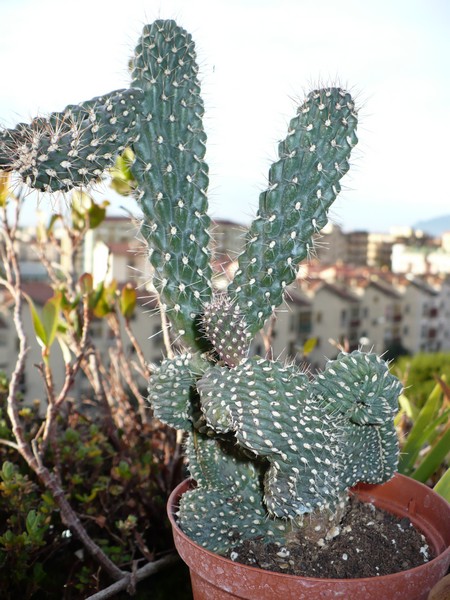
[(256, 57)]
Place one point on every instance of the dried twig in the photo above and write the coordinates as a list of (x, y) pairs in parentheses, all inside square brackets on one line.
[(139, 575)]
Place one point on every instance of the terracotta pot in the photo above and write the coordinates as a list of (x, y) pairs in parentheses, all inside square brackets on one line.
[(214, 577)]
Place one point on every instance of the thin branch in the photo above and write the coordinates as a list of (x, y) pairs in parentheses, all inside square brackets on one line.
[(142, 573), (165, 332), (33, 459), (8, 443), (126, 372), (144, 365)]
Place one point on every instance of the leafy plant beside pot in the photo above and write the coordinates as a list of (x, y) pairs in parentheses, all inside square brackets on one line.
[(271, 449)]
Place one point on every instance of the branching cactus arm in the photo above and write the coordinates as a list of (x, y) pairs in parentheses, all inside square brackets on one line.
[(160, 117), (172, 175), (72, 148), (303, 183)]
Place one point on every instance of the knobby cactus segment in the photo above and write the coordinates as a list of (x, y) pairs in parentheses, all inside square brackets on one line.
[(226, 329), (227, 505), (307, 430), (303, 183), (172, 174), (169, 392), (360, 387)]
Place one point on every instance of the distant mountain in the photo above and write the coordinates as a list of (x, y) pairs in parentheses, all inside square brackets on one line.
[(435, 227)]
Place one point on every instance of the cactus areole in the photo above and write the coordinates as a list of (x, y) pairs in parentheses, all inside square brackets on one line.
[(267, 445)]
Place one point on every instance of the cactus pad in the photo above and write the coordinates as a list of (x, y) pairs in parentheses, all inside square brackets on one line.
[(303, 183), (72, 148)]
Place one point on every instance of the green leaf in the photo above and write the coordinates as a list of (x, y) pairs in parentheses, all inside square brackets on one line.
[(50, 317), (38, 326), (4, 188), (106, 300), (442, 487), (128, 299), (417, 437), (411, 410), (8, 471), (97, 213), (46, 324), (433, 459), (309, 346), (33, 522), (122, 179)]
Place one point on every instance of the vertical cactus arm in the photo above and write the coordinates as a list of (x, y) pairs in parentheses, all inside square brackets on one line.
[(72, 148), (303, 183), (372, 453), (172, 175), (360, 388)]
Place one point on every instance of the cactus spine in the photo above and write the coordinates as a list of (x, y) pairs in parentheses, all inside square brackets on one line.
[(266, 444)]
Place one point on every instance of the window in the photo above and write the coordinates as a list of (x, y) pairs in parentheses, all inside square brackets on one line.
[(96, 329), (292, 349), (304, 322), (292, 323)]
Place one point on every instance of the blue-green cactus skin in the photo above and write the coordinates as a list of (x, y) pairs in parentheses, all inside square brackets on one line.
[(320, 437), (303, 184), (75, 147), (171, 173), (226, 507)]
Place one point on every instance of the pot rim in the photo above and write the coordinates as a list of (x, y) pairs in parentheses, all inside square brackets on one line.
[(173, 503)]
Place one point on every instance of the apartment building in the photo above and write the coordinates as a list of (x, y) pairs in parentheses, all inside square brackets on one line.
[(337, 305), (422, 260), (425, 325), (292, 328), (381, 314), (335, 319)]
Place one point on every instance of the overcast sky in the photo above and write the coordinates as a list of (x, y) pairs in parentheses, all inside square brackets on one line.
[(258, 57)]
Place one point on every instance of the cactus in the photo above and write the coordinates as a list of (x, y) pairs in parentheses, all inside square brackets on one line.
[(266, 443)]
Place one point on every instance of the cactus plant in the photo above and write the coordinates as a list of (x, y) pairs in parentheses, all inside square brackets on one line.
[(266, 443)]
